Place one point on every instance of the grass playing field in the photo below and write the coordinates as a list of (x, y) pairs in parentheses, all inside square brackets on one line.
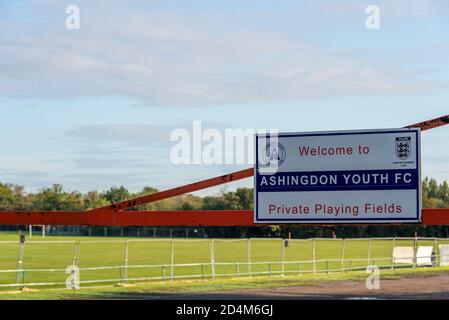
[(151, 258)]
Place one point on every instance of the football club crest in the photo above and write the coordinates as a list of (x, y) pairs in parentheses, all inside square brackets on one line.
[(403, 147), (273, 155)]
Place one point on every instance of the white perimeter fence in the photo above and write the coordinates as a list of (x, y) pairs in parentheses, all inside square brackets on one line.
[(76, 263)]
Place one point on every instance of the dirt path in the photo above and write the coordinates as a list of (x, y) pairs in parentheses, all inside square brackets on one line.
[(416, 287)]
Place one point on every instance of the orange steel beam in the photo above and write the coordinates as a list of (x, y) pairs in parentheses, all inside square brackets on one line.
[(209, 218), (134, 218), (435, 216), (430, 124), (246, 173)]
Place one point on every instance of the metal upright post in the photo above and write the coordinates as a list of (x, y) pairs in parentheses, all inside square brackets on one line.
[(212, 257), (249, 255), (369, 251), (172, 260), (24, 281), (314, 255), (392, 254), (415, 248), (20, 272), (76, 272), (76, 254), (435, 245), (282, 256), (125, 274), (342, 254)]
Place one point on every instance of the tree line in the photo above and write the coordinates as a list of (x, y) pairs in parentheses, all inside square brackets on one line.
[(15, 197)]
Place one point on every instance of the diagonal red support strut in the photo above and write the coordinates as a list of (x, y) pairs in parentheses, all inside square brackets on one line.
[(430, 124), (118, 206)]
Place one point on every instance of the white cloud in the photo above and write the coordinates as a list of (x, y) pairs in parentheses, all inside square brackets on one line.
[(168, 59)]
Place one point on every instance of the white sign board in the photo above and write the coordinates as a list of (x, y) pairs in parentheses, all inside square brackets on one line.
[(369, 176), (444, 255), (424, 256), (403, 255)]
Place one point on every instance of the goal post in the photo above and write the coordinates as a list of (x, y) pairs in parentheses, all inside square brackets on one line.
[(30, 228)]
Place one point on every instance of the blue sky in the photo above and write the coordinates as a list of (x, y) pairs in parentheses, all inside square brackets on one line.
[(93, 108)]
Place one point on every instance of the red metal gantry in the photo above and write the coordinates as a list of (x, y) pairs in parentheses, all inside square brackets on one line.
[(116, 214)]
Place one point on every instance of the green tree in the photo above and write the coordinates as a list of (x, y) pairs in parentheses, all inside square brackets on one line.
[(443, 192), (55, 198), (115, 194), (94, 200), (13, 197)]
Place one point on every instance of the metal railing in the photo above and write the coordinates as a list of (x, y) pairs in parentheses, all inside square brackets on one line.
[(345, 257)]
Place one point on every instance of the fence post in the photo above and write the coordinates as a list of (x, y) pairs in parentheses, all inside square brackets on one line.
[(435, 244), (282, 256), (20, 262), (77, 254), (163, 272), (75, 266), (237, 267), (24, 279), (314, 255), (369, 252), (212, 257), (415, 245), (125, 273), (249, 256), (342, 254), (172, 259), (392, 257)]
